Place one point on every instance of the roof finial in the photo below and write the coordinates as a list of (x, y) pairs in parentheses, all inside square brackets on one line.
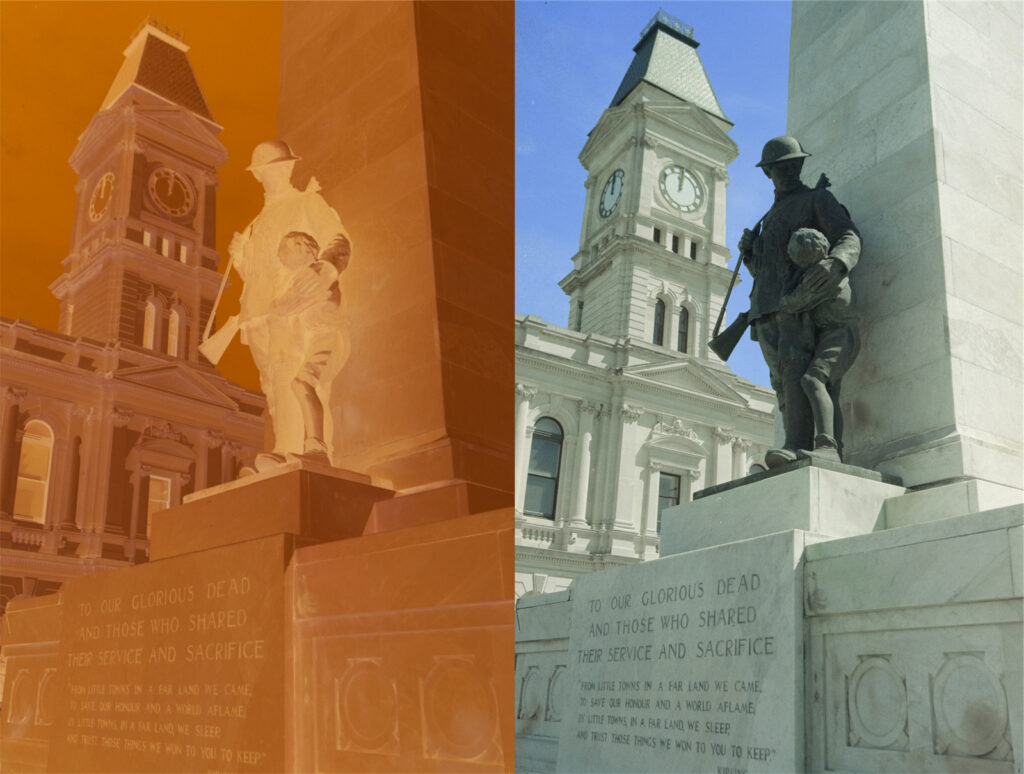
[(152, 21), (670, 21)]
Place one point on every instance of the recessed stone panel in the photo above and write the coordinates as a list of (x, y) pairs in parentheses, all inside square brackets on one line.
[(689, 663), (173, 666)]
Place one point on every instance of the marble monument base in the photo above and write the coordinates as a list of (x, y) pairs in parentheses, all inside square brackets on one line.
[(811, 495), (884, 635), (277, 629)]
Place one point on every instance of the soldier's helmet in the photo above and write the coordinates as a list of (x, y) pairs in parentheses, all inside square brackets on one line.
[(781, 149), (271, 152)]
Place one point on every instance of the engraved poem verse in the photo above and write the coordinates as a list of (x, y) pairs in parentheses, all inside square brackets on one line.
[(168, 671), (684, 666)]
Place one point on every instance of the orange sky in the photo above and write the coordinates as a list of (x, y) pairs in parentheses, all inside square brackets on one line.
[(57, 60)]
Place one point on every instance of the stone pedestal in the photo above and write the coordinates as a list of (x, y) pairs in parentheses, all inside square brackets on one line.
[(280, 628), (892, 642), (825, 498)]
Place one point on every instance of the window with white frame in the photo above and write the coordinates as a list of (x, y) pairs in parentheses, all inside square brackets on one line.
[(34, 472), (659, 323), (149, 325), (684, 329), (159, 498), (669, 488), (542, 474), (173, 331)]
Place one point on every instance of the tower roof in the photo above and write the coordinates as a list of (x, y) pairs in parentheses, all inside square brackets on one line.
[(157, 61), (666, 57)]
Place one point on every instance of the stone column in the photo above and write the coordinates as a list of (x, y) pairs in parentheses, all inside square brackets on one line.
[(524, 394), (202, 460), (625, 474), (81, 422), (10, 447), (722, 455), (228, 451), (740, 446), (650, 526), (588, 413), (694, 483)]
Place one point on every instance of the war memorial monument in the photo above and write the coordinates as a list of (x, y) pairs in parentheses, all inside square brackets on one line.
[(348, 605), (858, 605)]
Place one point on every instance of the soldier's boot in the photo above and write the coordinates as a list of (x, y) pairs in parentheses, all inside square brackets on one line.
[(798, 424)]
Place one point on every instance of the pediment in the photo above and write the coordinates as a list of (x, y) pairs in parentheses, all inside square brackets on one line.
[(692, 118), (180, 121), (687, 376), (176, 379), (608, 126)]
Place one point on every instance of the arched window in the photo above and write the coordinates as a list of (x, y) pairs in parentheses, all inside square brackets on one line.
[(173, 327), (659, 322), (149, 326), (34, 472), (684, 329), (542, 476)]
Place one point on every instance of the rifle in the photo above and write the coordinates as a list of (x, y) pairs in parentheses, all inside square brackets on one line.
[(212, 347), (722, 344)]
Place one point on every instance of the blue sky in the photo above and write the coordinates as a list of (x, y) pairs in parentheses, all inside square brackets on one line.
[(570, 58)]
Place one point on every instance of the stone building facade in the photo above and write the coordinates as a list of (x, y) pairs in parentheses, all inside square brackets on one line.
[(627, 411), (117, 415)]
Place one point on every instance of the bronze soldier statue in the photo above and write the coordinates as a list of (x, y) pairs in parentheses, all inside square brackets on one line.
[(764, 250)]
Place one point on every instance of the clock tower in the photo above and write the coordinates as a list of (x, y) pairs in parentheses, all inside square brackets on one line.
[(142, 269), (652, 261)]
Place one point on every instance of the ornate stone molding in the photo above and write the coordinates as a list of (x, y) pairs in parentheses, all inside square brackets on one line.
[(631, 413), (693, 474), (121, 416), (14, 395), (165, 431), (213, 438), (724, 434), (589, 407), (526, 391), (676, 426), (743, 444)]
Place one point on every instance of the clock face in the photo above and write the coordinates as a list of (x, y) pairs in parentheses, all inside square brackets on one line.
[(101, 196), (611, 192), (171, 191), (681, 188)]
